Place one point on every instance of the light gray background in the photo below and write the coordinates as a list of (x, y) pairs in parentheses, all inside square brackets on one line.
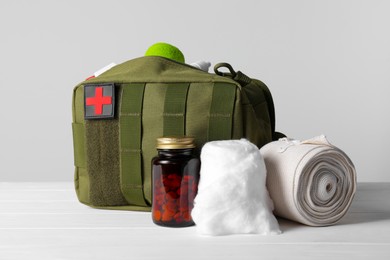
[(326, 62)]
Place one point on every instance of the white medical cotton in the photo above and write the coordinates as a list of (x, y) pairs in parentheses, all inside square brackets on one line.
[(232, 197)]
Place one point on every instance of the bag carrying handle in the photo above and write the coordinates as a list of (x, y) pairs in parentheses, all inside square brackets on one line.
[(225, 65), (235, 75)]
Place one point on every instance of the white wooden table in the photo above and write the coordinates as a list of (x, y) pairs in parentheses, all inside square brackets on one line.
[(45, 221)]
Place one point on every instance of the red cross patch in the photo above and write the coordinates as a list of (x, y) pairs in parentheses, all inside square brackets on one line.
[(99, 101)]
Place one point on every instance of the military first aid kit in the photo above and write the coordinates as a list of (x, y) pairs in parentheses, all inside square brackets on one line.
[(118, 115)]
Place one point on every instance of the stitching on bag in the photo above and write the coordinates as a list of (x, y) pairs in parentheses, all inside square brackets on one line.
[(220, 115), (173, 114), (130, 114)]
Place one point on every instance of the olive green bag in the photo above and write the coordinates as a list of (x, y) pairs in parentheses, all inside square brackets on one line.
[(118, 116)]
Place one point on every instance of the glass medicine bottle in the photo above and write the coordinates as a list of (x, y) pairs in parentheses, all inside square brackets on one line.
[(175, 181)]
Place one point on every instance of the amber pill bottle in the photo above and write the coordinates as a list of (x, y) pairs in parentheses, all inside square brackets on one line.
[(175, 173)]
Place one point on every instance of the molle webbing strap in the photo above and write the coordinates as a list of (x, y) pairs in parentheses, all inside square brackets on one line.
[(78, 127), (175, 109), (221, 112), (79, 144), (130, 134)]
